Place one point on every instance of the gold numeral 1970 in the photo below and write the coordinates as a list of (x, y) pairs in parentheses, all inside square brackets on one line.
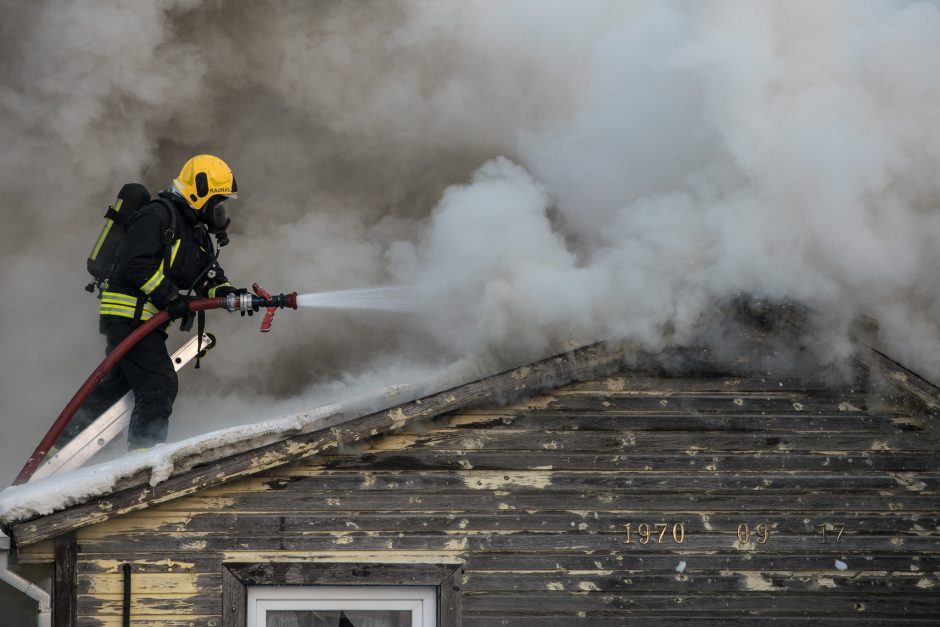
[(656, 533)]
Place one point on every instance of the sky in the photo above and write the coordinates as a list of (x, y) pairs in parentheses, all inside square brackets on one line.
[(541, 173)]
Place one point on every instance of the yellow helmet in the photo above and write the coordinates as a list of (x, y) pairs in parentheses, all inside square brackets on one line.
[(203, 177)]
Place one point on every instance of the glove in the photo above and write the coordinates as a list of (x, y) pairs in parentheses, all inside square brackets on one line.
[(179, 306), (225, 290)]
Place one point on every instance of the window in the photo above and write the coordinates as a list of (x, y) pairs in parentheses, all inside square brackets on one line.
[(340, 594), (342, 606)]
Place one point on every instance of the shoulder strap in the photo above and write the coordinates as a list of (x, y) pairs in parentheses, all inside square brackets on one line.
[(169, 234)]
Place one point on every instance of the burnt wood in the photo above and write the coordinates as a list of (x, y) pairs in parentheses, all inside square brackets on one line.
[(64, 588)]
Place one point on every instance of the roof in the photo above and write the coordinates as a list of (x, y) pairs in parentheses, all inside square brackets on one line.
[(91, 495), (99, 492)]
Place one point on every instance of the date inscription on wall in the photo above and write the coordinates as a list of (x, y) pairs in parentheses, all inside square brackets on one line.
[(746, 533)]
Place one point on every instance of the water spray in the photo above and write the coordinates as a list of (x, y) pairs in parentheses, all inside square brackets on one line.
[(393, 298)]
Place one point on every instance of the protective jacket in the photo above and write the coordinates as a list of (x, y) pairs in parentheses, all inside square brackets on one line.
[(142, 282)]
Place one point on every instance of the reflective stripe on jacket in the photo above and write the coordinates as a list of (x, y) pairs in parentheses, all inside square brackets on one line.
[(140, 285), (125, 306), (158, 277)]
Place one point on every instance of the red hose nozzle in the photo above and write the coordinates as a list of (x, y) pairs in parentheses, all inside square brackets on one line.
[(272, 303)]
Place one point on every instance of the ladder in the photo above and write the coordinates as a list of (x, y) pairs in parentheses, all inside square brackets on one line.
[(111, 424)]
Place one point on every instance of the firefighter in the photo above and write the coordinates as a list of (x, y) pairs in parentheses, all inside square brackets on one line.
[(165, 261)]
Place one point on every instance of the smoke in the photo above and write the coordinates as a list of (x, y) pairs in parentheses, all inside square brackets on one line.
[(544, 173)]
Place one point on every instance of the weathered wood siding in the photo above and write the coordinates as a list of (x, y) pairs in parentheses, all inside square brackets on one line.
[(534, 499)]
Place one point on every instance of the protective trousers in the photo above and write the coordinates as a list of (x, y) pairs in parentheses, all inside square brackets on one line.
[(147, 370)]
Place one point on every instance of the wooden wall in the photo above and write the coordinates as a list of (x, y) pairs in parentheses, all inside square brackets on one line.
[(534, 499)]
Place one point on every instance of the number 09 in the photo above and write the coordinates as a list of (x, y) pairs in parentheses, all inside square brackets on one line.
[(744, 533)]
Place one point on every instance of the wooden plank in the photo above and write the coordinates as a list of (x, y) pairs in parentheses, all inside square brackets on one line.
[(799, 404), (624, 501), (584, 619), (629, 441), (644, 382), (234, 600), (655, 562), (64, 599), (681, 421), (563, 560), (152, 607), (162, 621), (249, 524), (153, 584), (432, 482), (182, 562), (39, 553), (449, 608), (552, 372), (429, 459), (722, 582), (851, 541), (863, 606)]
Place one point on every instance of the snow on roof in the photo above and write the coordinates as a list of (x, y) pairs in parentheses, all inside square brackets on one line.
[(57, 492)]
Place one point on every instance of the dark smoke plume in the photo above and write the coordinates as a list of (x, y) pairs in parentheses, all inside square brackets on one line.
[(544, 173)]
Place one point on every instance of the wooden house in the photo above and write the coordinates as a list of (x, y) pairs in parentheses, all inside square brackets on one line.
[(575, 491)]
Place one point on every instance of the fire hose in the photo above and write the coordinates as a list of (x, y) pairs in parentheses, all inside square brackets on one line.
[(232, 302)]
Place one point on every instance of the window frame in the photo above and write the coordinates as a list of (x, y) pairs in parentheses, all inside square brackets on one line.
[(407, 598), (236, 577)]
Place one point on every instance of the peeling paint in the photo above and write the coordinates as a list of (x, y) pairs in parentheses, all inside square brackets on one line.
[(494, 480), (398, 418), (756, 582), (908, 480), (457, 544), (521, 373)]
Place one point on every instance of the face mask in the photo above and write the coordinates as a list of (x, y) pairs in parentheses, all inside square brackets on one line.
[(217, 221)]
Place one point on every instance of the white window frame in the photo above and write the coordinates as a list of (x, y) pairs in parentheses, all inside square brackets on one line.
[(420, 600)]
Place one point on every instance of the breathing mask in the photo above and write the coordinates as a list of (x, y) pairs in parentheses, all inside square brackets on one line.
[(216, 219)]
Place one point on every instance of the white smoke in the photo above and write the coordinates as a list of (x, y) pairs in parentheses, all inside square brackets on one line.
[(544, 174)]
